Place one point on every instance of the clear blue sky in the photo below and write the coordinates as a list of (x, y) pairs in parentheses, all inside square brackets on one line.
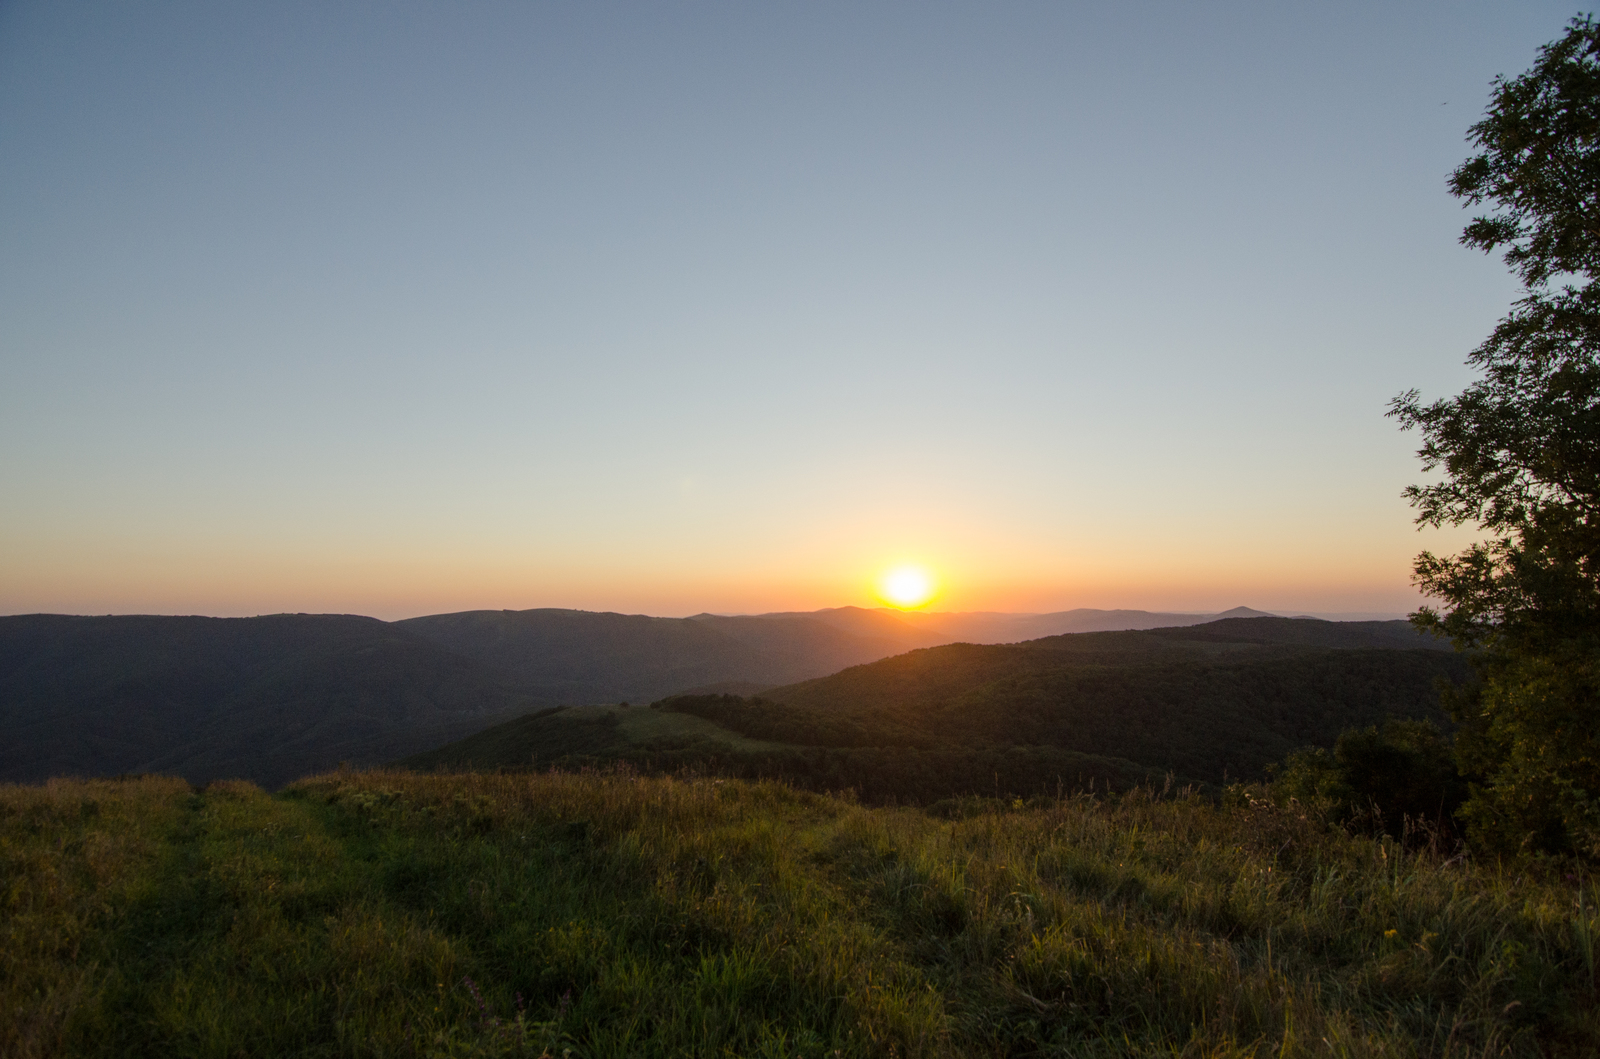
[(396, 308)]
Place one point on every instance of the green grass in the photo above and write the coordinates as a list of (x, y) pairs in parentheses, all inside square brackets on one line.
[(603, 732), (642, 726), (391, 913)]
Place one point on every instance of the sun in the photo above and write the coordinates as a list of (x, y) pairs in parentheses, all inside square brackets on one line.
[(906, 587)]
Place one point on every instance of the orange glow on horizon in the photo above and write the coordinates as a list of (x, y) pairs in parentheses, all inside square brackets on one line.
[(840, 564)]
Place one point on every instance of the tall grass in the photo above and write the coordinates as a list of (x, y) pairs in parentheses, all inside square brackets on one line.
[(388, 913), (74, 855)]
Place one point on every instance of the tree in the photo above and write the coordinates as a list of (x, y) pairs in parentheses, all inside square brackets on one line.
[(1390, 778), (1520, 452)]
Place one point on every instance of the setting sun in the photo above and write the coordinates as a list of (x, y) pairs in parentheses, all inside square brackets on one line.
[(906, 587)]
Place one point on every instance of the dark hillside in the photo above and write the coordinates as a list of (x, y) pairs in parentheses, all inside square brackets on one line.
[(1310, 632), (808, 643), (1208, 721), (981, 627), (1204, 720), (704, 735), (896, 628), (1226, 698), (1236, 634), (916, 678), (1114, 708), (585, 657), (544, 737), (269, 698), (266, 699)]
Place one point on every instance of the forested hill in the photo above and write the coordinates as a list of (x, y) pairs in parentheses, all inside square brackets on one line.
[(923, 683), (584, 656), (272, 698), (266, 699), (1243, 634), (1223, 699), (1220, 701), (1300, 632)]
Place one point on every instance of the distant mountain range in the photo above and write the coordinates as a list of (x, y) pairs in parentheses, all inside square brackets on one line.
[(573, 656), (991, 627), (271, 698), (987, 627), (259, 698)]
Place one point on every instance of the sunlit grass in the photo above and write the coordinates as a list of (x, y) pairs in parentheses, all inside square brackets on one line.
[(388, 913)]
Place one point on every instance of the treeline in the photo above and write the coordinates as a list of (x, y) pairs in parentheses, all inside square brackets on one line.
[(1519, 454), (1394, 778), (1204, 720)]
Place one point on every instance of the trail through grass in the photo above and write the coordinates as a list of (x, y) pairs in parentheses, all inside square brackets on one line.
[(388, 913)]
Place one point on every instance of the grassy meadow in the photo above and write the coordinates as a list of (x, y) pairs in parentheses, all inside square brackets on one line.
[(593, 914)]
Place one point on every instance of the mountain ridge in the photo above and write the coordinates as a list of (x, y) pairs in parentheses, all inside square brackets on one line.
[(1202, 702), (271, 697)]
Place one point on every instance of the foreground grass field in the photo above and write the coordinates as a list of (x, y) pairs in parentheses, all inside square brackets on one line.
[(390, 913)]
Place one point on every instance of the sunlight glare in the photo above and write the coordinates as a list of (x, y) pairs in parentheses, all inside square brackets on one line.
[(906, 587)]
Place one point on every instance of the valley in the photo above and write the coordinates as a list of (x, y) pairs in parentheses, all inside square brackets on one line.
[(841, 698)]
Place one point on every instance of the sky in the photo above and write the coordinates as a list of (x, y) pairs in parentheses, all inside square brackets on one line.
[(398, 308)]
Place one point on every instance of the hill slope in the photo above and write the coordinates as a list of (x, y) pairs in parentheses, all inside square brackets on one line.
[(1208, 703), (990, 627), (1206, 720), (266, 699), (1221, 699), (586, 657), (271, 698)]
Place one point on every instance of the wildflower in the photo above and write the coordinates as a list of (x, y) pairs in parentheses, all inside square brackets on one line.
[(1390, 933)]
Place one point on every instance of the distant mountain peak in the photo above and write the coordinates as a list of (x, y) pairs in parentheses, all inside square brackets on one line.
[(1246, 612)]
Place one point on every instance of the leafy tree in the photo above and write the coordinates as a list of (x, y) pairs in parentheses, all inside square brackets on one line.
[(1520, 452)]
